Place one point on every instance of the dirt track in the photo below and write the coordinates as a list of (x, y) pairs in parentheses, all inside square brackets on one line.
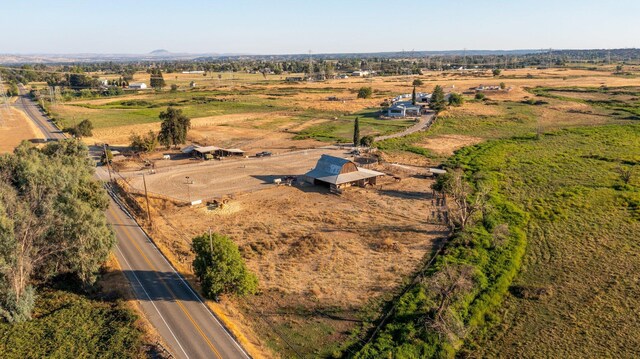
[(215, 179), (424, 121)]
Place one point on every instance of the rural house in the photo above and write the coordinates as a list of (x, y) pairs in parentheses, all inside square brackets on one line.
[(404, 109), (338, 173)]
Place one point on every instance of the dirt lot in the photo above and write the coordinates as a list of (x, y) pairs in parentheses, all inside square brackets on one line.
[(323, 261), (215, 179), (14, 128)]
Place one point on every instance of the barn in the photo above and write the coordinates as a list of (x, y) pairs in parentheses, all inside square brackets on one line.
[(338, 173)]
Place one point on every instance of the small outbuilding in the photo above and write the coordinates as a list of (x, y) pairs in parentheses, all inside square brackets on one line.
[(338, 173), (138, 85)]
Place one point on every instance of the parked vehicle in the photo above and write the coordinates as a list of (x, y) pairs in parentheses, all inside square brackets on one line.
[(263, 154)]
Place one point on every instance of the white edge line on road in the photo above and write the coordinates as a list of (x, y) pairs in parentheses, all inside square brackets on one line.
[(151, 301), (184, 282), (156, 248), (181, 278), (197, 296)]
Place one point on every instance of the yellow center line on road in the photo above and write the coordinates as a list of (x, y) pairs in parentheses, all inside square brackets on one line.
[(178, 301)]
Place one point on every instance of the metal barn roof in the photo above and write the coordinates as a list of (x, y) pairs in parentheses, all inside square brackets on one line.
[(328, 170)]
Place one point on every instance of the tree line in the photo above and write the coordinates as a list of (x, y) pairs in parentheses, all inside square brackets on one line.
[(51, 222)]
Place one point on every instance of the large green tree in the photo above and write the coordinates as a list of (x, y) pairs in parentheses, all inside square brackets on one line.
[(174, 127), (51, 221), (156, 79), (438, 102), (220, 267)]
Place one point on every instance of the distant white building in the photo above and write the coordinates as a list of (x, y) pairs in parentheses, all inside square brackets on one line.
[(193, 72), (360, 73), (138, 85), (420, 97)]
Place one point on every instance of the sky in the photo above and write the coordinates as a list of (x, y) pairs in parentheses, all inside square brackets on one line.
[(320, 26)]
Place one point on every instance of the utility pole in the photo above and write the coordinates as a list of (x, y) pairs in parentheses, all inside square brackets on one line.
[(188, 188), (106, 158), (146, 195)]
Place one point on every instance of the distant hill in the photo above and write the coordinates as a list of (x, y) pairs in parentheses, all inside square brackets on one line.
[(165, 55), (161, 53)]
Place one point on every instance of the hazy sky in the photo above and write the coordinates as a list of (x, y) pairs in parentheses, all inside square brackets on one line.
[(288, 26)]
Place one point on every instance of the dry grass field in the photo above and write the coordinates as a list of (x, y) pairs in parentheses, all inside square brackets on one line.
[(15, 127), (324, 262), (258, 109)]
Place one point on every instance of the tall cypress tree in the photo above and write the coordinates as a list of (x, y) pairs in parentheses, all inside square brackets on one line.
[(356, 132), (413, 96)]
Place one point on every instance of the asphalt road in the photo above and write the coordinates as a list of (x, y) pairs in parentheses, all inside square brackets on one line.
[(49, 130), (171, 305), (177, 312)]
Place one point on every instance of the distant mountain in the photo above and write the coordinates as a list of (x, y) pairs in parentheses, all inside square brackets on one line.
[(159, 52)]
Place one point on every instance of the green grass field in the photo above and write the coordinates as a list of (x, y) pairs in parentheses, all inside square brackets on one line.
[(67, 325), (578, 293), (623, 102), (341, 128), (128, 112), (514, 119)]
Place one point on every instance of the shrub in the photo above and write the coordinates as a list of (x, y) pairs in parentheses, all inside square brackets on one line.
[(480, 96), (456, 99), (146, 143), (418, 82), (366, 141), (83, 129), (365, 92)]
